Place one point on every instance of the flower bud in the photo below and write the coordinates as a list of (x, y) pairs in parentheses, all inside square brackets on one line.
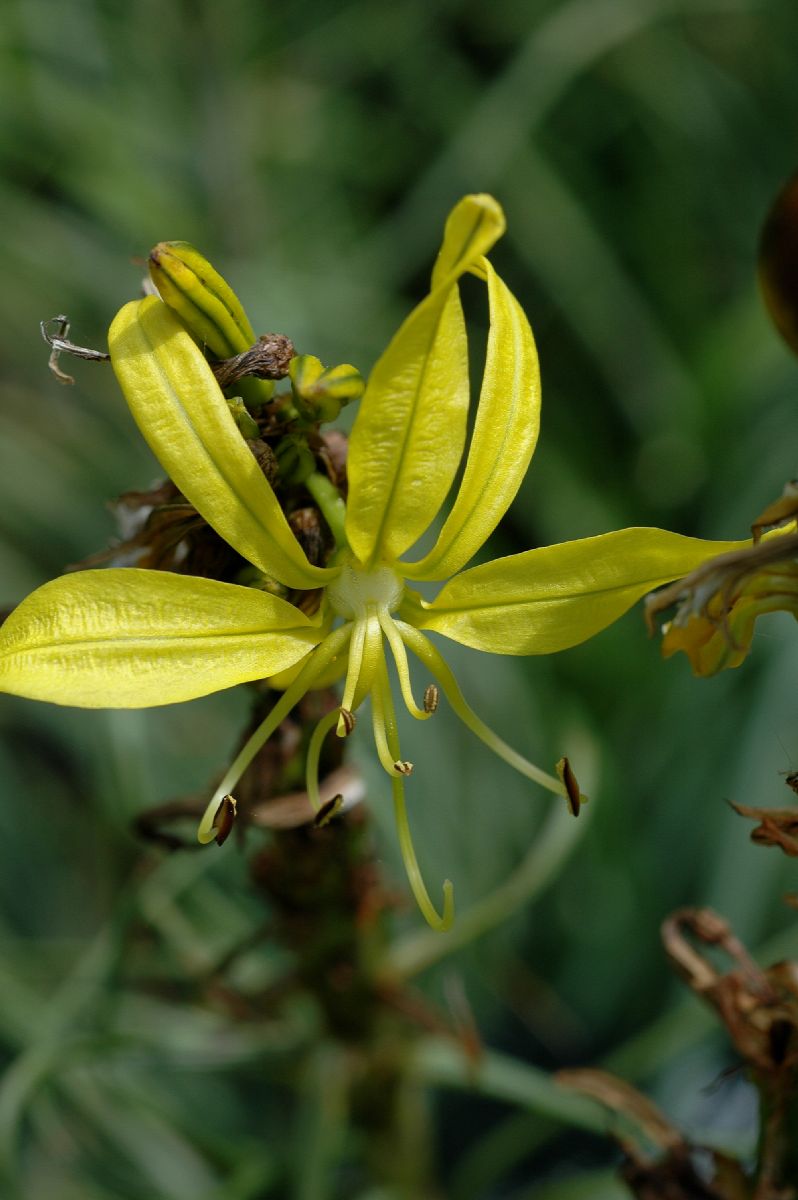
[(208, 307), (319, 393)]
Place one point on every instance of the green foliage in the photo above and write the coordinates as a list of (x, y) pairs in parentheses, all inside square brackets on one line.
[(312, 151)]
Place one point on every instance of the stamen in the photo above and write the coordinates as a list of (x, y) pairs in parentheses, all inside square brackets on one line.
[(402, 669), (380, 699), (225, 819), (348, 719), (312, 760), (572, 794), (318, 660), (352, 675), (426, 652), (328, 811), (366, 649), (381, 717), (438, 921), (432, 698)]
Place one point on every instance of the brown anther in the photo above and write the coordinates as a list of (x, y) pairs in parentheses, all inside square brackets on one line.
[(327, 811), (431, 698), (348, 720), (225, 819), (779, 512), (567, 778), (403, 768)]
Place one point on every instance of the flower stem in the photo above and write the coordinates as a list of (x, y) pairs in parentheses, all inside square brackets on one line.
[(331, 505)]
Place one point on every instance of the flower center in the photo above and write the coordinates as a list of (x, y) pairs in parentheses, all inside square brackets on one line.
[(355, 590)]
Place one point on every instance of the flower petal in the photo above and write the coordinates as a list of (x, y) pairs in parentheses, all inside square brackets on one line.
[(504, 438), (409, 435), (185, 419), (548, 599), (131, 638)]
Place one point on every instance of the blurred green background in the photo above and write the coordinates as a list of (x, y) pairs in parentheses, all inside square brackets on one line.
[(312, 151)]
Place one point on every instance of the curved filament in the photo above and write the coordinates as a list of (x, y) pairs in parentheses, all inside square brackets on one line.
[(426, 652), (402, 668), (314, 754), (380, 694), (438, 921), (352, 673), (318, 661)]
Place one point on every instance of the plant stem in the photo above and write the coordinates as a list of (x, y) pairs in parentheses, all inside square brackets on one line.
[(330, 503), (442, 1063)]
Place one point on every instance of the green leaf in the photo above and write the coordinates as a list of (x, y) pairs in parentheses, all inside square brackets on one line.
[(131, 638), (504, 438), (410, 431), (549, 599), (186, 421)]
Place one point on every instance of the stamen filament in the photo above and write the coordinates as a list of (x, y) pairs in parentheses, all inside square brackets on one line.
[(438, 921), (402, 669), (331, 505), (318, 660), (426, 652), (352, 673), (314, 754), (380, 695)]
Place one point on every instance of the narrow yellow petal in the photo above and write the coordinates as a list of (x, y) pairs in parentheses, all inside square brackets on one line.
[(472, 228), (504, 438), (409, 435), (130, 638), (186, 421), (558, 596)]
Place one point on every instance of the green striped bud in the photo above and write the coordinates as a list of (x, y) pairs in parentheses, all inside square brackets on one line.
[(208, 308)]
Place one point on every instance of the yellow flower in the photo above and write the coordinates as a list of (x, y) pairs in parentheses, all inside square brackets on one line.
[(719, 603), (134, 638)]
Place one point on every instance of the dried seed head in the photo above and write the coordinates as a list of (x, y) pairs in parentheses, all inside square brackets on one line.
[(267, 359)]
